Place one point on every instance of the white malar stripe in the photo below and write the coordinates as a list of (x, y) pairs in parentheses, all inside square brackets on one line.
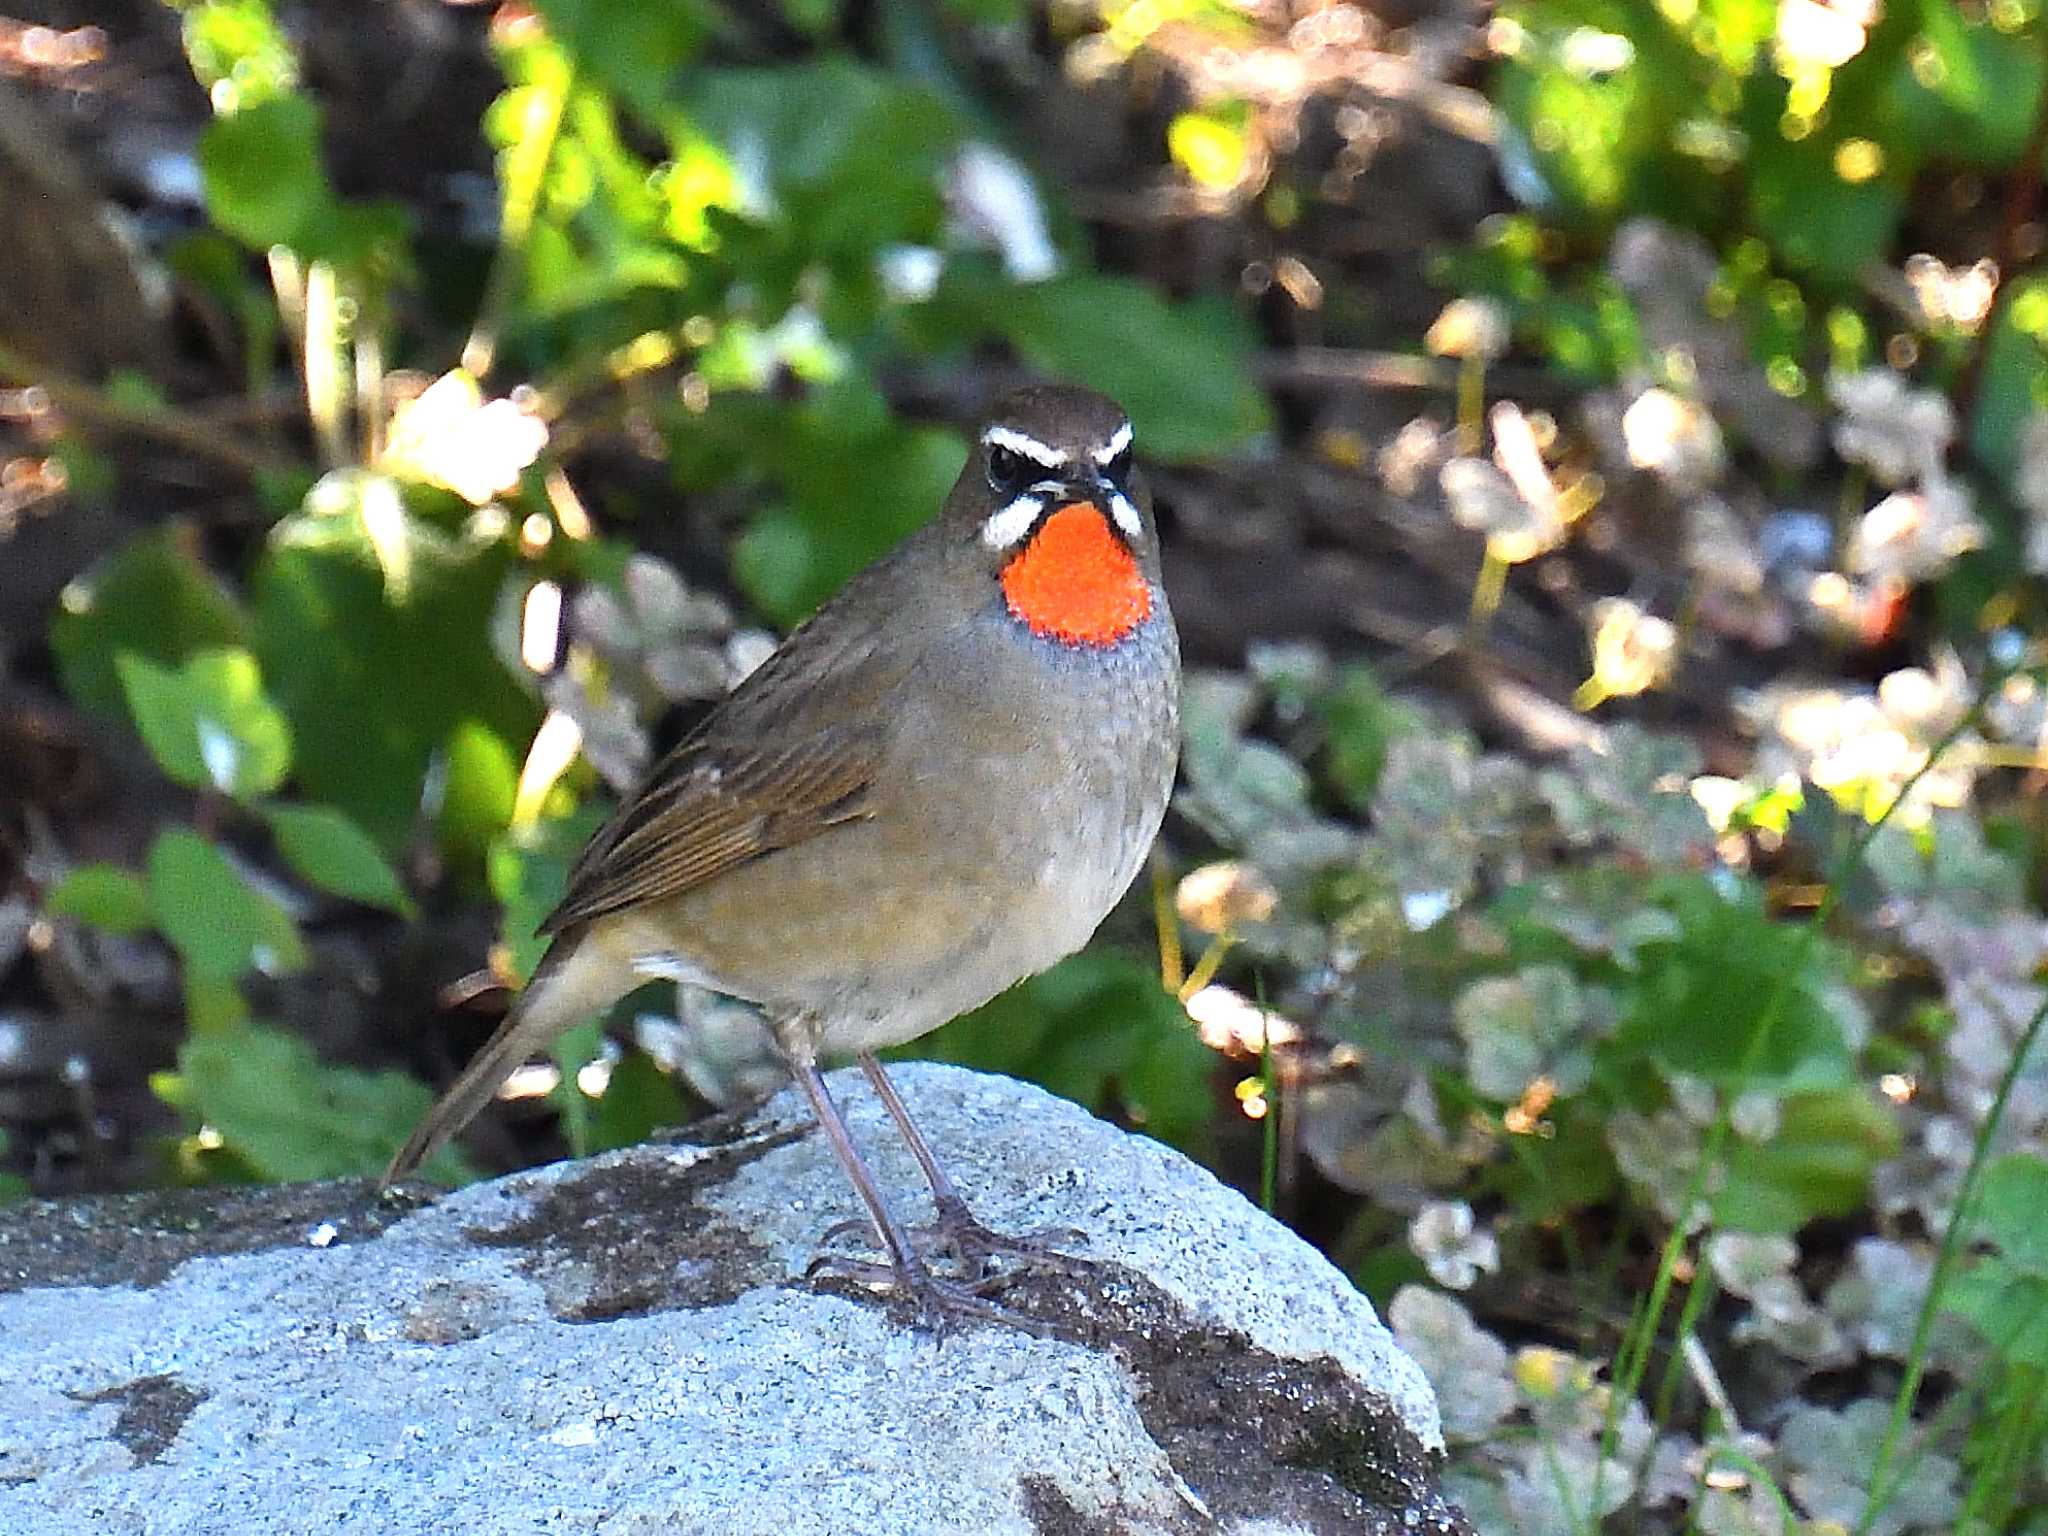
[(1118, 442), (1006, 527), (1125, 514), (1022, 442)]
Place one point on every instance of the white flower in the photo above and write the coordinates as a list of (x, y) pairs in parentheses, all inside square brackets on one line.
[(1911, 536), (1895, 431), (1674, 438), (1483, 499), (1926, 704), (1813, 35), (1445, 1237), (1848, 743), (1592, 54), (452, 437), (910, 273), (1473, 328), (1633, 651)]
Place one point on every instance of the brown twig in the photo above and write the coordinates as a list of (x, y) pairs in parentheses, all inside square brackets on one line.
[(1334, 367), (96, 409)]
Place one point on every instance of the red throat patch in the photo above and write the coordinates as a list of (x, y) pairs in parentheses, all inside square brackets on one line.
[(1076, 581)]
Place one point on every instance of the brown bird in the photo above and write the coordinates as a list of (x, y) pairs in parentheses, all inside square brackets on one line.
[(937, 786)]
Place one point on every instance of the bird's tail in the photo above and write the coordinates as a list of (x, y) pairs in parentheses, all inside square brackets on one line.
[(573, 981)]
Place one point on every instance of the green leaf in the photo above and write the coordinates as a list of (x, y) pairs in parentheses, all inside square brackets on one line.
[(1818, 222), (289, 1115), (1971, 97), (529, 873), (2008, 1306), (12, 1186), (1705, 998), (212, 1004), (1182, 371), (2010, 1210), (155, 598), (219, 923), (478, 793), (1099, 1029), (1817, 1164), (208, 723), (262, 172), (636, 48), (239, 44), (571, 1051), (639, 1100), (2015, 380), (336, 855), (851, 498), (852, 153), (1361, 720), (342, 616), (1569, 1169), (107, 897)]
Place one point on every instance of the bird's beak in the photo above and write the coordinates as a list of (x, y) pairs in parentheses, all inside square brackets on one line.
[(1090, 489)]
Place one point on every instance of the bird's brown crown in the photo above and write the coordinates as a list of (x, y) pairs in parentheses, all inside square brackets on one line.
[(1063, 511)]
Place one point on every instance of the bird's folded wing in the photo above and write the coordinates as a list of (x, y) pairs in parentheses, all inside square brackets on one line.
[(713, 804)]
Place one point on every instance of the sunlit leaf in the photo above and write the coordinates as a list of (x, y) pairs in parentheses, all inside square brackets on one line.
[(1213, 146), (208, 723), (261, 167), (107, 897), (635, 47), (376, 644), (289, 1115)]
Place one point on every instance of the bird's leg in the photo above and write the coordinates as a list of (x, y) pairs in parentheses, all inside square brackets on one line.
[(936, 1301), (957, 1230)]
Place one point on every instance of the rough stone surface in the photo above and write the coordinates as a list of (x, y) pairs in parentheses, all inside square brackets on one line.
[(627, 1346)]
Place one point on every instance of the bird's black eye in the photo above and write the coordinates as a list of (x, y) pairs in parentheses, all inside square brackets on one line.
[(1118, 469), (1007, 470)]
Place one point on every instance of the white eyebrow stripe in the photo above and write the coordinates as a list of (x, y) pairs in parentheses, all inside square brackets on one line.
[(1118, 442), (1005, 527), (1125, 514), (1020, 442)]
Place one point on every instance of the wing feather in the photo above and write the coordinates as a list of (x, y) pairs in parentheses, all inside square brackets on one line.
[(711, 806)]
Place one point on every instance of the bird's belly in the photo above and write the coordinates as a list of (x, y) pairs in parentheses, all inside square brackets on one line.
[(873, 934)]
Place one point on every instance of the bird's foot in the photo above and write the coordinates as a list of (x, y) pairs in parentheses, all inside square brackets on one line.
[(984, 1256), (958, 1234), (936, 1303)]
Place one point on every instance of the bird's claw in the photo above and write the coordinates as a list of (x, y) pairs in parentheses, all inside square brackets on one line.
[(935, 1302), (960, 1239)]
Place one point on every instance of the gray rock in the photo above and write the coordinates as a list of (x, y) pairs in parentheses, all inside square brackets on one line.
[(626, 1345)]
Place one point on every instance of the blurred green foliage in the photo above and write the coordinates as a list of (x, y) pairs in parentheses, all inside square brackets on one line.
[(1791, 146)]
